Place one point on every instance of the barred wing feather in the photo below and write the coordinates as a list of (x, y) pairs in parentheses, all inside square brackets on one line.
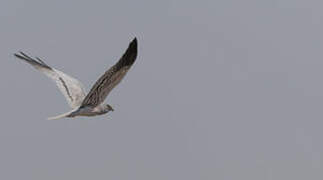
[(70, 87), (111, 77)]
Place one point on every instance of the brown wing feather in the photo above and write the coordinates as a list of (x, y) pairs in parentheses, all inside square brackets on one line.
[(111, 78)]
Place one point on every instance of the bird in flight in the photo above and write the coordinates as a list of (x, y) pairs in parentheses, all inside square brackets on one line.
[(83, 104)]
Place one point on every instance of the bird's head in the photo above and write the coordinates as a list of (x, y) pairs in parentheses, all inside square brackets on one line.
[(108, 108)]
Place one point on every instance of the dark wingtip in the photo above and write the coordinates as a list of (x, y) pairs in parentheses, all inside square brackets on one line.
[(133, 43), (19, 55), (16, 55), (130, 55), (30, 60)]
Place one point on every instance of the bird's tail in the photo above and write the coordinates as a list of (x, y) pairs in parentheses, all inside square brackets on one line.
[(62, 115)]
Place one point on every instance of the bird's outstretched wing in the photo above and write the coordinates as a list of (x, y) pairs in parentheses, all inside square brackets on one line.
[(111, 77), (71, 88)]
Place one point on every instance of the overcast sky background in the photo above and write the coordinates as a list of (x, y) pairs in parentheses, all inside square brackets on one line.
[(223, 89)]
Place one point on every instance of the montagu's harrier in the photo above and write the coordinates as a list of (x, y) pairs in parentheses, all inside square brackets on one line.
[(92, 103)]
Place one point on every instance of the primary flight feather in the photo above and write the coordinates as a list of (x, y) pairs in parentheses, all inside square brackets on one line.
[(92, 103)]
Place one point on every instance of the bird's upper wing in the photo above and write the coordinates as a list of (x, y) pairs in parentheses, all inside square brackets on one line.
[(71, 88), (111, 77)]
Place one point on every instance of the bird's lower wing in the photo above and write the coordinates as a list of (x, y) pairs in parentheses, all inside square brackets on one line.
[(70, 87)]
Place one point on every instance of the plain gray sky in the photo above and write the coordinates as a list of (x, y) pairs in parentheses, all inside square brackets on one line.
[(224, 89)]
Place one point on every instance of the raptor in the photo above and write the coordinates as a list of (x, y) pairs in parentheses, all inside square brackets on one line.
[(92, 103)]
